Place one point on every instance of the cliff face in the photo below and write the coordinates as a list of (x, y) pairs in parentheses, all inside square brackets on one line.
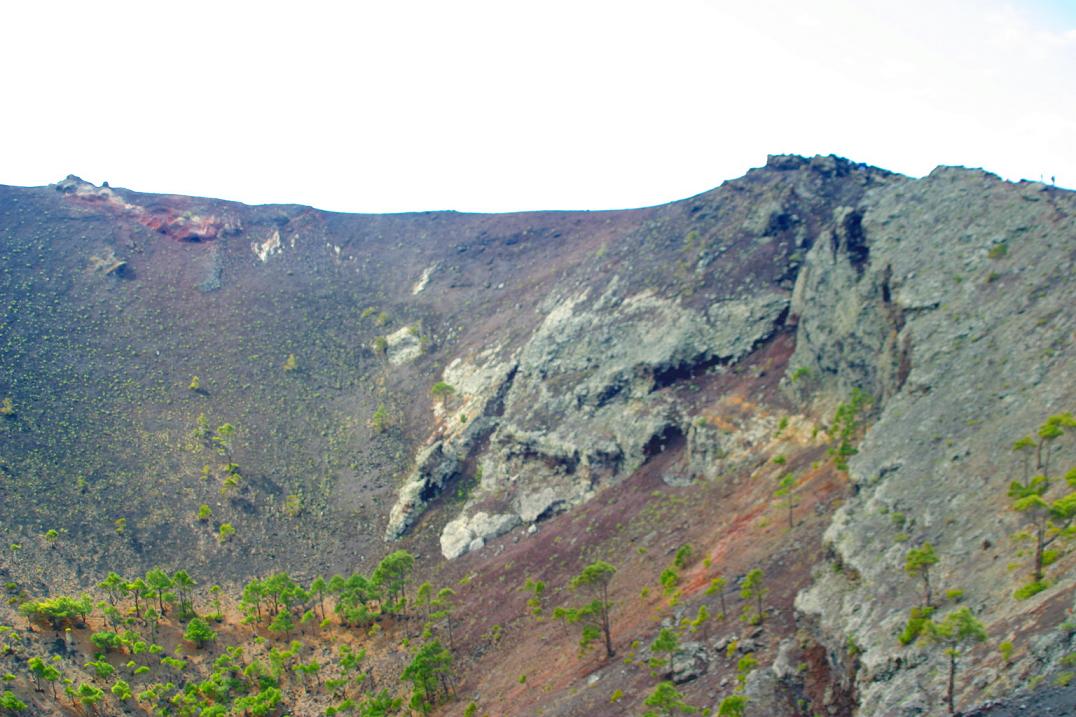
[(457, 383), (946, 300), (952, 306), (592, 392)]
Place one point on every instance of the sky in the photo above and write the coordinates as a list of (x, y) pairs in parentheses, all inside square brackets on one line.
[(518, 105)]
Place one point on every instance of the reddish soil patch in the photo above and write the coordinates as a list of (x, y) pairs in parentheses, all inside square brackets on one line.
[(733, 524)]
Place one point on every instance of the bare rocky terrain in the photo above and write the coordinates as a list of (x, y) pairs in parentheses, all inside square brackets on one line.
[(510, 397)]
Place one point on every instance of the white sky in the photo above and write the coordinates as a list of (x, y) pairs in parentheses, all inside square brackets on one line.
[(507, 105)]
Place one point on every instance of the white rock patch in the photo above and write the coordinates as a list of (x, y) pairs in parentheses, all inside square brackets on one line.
[(467, 534), (269, 247), (423, 280), (403, 345)]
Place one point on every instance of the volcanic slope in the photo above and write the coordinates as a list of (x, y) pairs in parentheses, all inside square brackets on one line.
[(513, 396), (113, 301)]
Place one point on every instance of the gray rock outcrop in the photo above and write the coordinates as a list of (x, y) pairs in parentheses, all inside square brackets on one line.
[(965, 347), (581, 407), (690, 662), (478, 394)]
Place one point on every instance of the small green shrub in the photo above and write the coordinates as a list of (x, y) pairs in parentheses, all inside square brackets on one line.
[(225, 532), (122, 690), (683, 557), (918, 621), (732, 706), (1030, 590), (1006, 648), (379, 421), (8, 701), (669, 580), (106, 641)]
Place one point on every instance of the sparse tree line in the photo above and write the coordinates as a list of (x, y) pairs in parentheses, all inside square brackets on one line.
[(1048, 508), (592, 618), (129, 666), (136, 615), (940, 624)]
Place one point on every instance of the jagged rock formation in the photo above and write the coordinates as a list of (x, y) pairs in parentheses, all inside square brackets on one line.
[(581, 405), (585, 401)]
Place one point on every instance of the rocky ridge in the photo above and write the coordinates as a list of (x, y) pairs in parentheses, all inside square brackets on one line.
[(944, 299)]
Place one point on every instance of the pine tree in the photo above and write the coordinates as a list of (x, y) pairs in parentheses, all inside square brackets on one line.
[(282, 623), (184, 585), (752, 589), (1051, 518), (199, 632), (158, 581), (593, 617), (717, 586), (958, 629), (536, 588), (666, 701), (918, 563), (391, 575), (786, 489), (430, 668), (666, 643)]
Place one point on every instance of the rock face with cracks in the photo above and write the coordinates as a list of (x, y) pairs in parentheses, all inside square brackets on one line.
[(580, 406), (965, 347)]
